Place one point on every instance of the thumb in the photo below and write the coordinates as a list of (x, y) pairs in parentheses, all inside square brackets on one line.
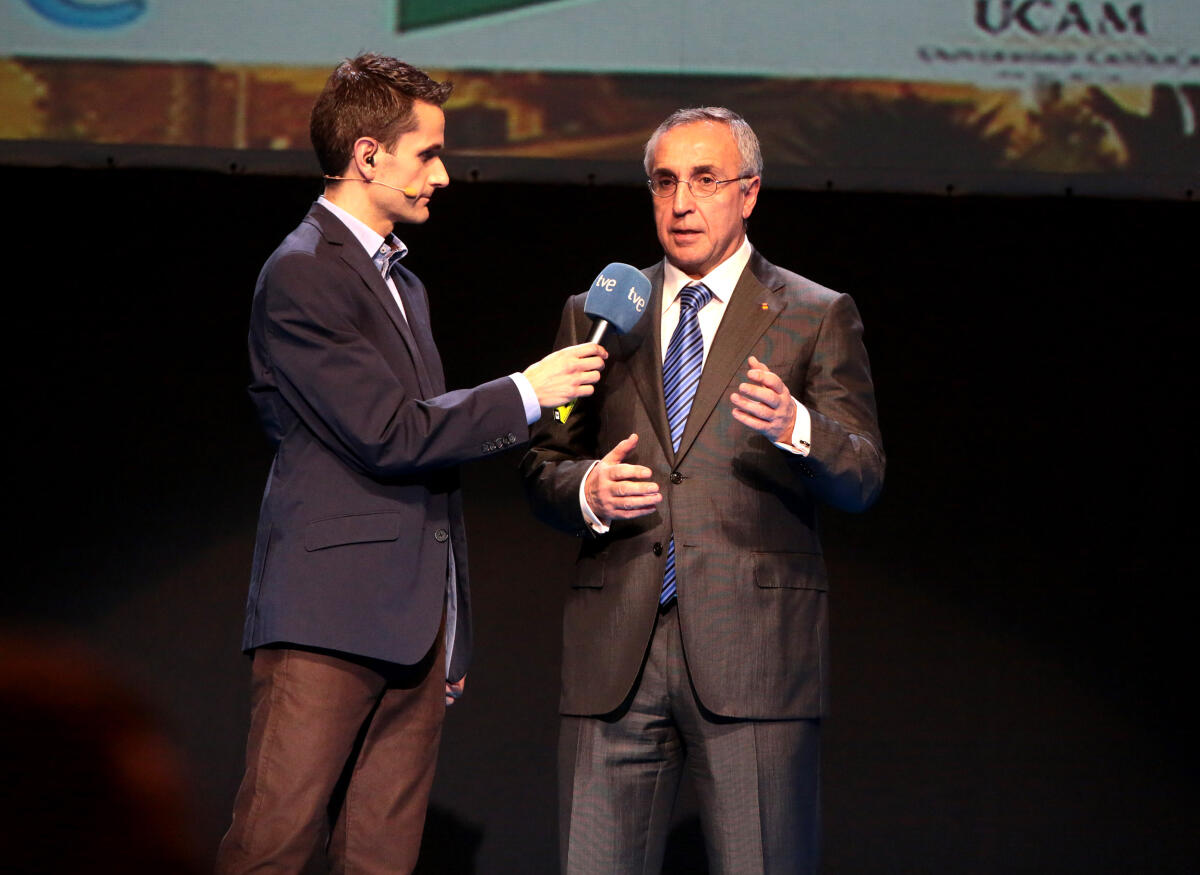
[(618, 453)]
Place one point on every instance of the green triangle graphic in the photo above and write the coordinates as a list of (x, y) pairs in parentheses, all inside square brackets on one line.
[(415, 14)]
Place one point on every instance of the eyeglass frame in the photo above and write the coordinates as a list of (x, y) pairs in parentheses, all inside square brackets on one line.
[(688, 182)]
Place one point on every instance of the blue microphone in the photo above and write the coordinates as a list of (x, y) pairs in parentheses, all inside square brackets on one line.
[(616, 300)]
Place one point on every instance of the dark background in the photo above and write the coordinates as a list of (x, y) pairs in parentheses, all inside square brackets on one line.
[(1014, 666)]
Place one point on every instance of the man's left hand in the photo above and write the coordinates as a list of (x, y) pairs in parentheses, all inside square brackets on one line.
[(765, 404), (454, 690)]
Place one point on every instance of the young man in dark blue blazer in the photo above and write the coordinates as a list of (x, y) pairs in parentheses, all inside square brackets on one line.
[(358, 615)]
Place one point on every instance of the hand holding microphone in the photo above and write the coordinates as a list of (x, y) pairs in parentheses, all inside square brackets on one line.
[(616, 300), (567, 373)]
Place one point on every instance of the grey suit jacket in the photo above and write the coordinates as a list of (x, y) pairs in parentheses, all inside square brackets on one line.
[(362, 500), (750, 572)]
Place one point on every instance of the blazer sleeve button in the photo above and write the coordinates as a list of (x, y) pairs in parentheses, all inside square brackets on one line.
[(441, 536)]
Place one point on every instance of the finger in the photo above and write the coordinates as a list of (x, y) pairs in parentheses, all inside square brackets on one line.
[(622, 489), (631, 508), (764, 376), (618, 453), (751, 422), (757, 394), (752, 408), (589, 350), (627, 471)]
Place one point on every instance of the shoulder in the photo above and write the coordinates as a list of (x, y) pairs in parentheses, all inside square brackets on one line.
[(799, 289), (314, 249)]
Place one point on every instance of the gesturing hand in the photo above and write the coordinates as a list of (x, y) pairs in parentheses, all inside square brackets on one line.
[(765, 404), (616, 490), (567, 373)]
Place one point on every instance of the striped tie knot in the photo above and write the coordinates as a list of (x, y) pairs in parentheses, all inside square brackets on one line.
[(694, 297)]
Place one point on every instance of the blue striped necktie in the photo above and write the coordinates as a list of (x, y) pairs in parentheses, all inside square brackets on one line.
[(681, 374)]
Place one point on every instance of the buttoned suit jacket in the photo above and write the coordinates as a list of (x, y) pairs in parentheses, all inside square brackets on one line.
[(751, 576), (362, 501)]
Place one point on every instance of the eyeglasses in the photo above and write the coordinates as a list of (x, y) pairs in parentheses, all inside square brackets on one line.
[(701, 185)]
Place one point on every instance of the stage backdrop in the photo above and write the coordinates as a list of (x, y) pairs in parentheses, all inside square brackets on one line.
[(979, 95)]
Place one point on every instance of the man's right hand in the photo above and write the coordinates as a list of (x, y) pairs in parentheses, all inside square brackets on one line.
[(616, 490), (567, 374)]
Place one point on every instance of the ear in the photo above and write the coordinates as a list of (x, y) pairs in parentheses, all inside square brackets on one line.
[(750, 197), (363, 156)]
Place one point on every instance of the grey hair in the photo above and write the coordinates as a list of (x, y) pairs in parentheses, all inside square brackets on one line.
[(749, 152)]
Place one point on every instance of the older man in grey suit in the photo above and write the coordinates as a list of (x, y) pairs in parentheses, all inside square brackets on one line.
[(696, 630)]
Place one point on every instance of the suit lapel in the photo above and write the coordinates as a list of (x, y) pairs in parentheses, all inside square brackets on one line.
[(750, 311), (417, 308), (356, 258)]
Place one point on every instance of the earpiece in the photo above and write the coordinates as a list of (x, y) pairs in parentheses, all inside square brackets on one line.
[(371, 160)]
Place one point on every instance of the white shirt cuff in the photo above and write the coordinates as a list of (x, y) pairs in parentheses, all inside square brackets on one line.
[(801, 432), (533, 410), (589, 515)]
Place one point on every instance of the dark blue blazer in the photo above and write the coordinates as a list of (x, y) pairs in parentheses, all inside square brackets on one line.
[(362, 501)]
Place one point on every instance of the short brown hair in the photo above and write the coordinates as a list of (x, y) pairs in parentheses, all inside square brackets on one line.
[(368, 96)]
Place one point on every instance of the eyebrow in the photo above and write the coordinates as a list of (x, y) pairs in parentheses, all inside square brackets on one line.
[(697, 170)]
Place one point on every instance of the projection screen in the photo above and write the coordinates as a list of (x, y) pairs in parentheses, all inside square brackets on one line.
[(992, 96)]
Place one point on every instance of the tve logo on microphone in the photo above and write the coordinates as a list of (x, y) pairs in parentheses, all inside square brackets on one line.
[(608, 284)]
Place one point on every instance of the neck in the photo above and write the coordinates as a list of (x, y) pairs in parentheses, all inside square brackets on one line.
[(351, 196)]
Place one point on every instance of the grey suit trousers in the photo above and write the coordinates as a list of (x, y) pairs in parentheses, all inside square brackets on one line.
[(757, 781)]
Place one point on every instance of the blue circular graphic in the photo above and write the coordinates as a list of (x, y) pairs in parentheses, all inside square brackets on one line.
[(89, 16)]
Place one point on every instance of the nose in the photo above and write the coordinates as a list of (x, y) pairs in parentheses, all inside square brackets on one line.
[(684, 201), (438, 177)]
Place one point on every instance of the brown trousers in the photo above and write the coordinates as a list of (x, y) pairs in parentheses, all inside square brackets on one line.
[(339, 763)]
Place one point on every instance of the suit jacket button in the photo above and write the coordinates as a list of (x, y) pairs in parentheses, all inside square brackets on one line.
[(676, 477), (441, 536), (657, 548)]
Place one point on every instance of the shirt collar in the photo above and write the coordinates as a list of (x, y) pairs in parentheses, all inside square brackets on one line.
[(376, 245), (721, 280)]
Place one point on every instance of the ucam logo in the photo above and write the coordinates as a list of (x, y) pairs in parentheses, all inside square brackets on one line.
[(83, 15), (1050, 18)]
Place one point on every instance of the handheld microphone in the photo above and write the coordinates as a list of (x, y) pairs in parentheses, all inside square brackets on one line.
[(616, 300), (407, 191)]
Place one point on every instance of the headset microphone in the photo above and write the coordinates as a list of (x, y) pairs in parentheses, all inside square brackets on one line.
[(407, 191)]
